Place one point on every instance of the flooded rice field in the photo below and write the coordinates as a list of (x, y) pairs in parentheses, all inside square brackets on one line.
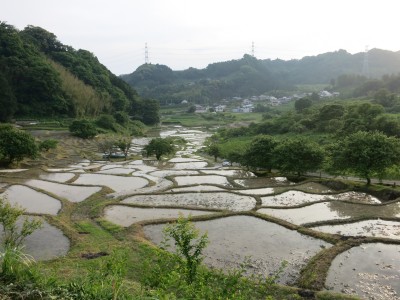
[(125, 216), (32, 201), (72, 193), (234, 239), (202, 179), (57, 177), (46, 243), (295, 198), (117, 183), (259, 182), (214, 200), (192, 185), (371, 271), (333, 210), (372, 228)]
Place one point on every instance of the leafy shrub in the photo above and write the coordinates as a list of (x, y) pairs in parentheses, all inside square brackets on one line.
[(46, 145), (83, 129), (106, 122), (16, 144)]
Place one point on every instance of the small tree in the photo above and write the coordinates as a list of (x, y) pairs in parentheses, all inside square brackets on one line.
[(189, 245), (213, 150), (124, 144), (260, 153), (365, 154), (298, 155), (106, 144), (13, 263), (16, 144), (159, 147)]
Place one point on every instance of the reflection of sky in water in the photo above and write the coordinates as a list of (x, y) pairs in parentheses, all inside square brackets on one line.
[(126, 216), (45, 243), (31, 200), (377, 279), (373, 228), (217, 200), (233, 239), (332, 210)]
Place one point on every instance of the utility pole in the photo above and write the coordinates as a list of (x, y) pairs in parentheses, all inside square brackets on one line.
[(146, 54), (252, 49), (365, 70)]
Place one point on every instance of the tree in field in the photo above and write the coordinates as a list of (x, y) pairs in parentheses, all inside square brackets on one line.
[(260, 152), (213, 150), (159, 147), (124, 144), (298, 155), (365, 154), (15, 145)]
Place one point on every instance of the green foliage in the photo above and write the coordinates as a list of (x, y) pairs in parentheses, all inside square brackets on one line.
[(15, 145), (13, 263), (124, 144), (298, 155), (12, 235), (106, 122), (191, 109), (159, 147), (121, 118), (365, 154), (189, 246), (42, 77), (213, 150), (83, 129), (260, 153), (302, 104), (46, 145)]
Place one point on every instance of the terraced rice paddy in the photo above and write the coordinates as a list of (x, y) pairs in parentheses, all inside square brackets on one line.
[(244, 216)]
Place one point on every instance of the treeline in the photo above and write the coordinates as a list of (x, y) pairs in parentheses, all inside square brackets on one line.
[(339, 118), (41, 77), (362, 153), (243, 77)]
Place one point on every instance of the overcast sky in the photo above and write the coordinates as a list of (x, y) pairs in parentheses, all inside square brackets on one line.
[(194, 33)]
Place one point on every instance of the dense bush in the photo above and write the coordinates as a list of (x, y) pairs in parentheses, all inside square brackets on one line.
[(15, 145), (83, 129)]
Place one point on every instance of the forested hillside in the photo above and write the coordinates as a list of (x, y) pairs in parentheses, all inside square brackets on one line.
[(250, 76), (41, 77)]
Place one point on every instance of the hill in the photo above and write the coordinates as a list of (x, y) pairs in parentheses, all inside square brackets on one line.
[(250, 76), (41, 77)]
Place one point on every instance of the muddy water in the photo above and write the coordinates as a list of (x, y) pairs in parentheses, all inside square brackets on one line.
[(263, 182), (230, 173), (202, 179), (217, 200), (58, 177), (117, 183), (293, 198), (332, 210), (72, 193), (165, 173), (32, 201), (45, 243), (196, 188), (236, 238), (377, 279), (190, 165), (373, 228), (125, 216)]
